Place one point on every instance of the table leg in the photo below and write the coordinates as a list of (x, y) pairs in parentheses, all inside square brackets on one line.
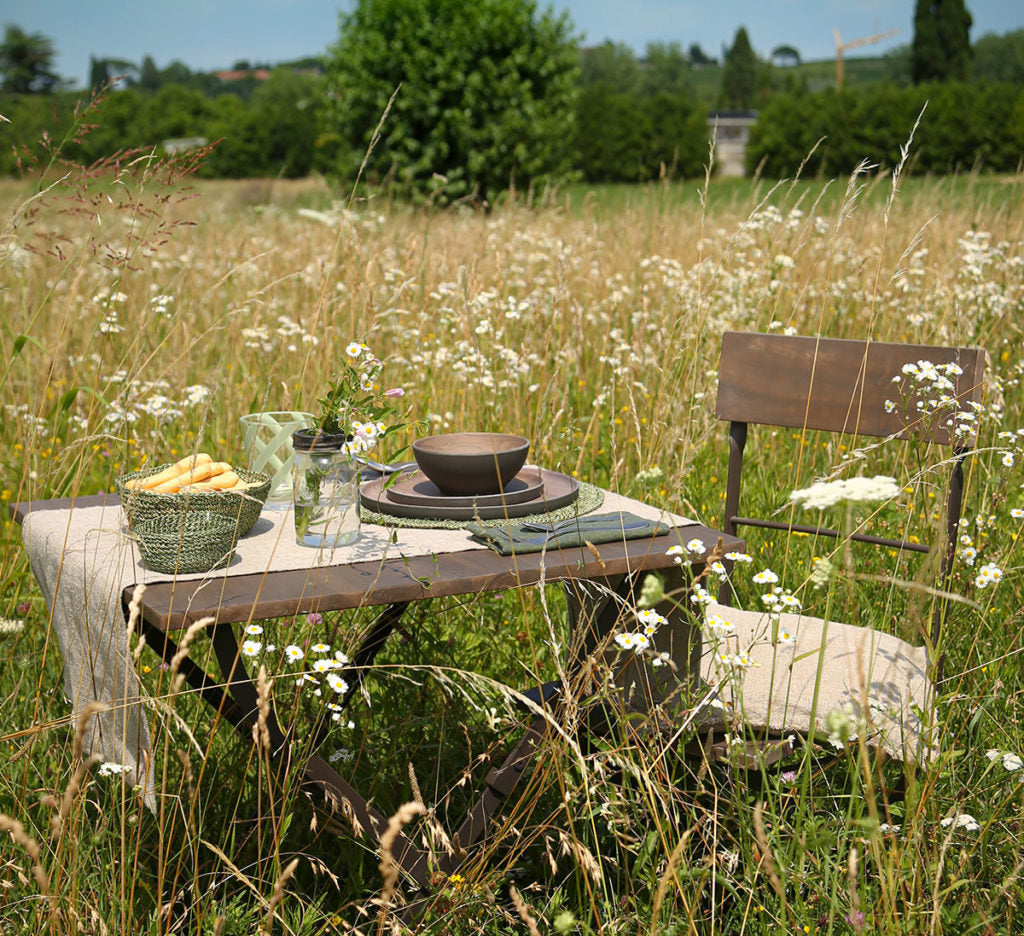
[(244, 695)]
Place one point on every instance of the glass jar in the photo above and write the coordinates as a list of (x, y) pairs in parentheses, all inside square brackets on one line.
[(325, 488)]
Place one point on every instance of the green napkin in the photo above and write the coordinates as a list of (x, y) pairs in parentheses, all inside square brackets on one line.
[(518, 538)]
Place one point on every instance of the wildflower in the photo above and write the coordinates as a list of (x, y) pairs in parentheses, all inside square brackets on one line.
[(634, 642), (11, 625), (743, 660), (1017, 513), (718, 626), (700, 595), (314, 618), (293, 654), (253, 630), (353, 349), (696, 547), (824, 494), (337, 683), (1007, 459), (651, 618), (786, 637), (765, 577), (394, 392), (1012, 762), (321, 648), (112, 768), (884, 827), (961, 821), (251, 648), (719, 569), (652, 592), (988, 574), (325, 665), (969, 554), (739, 557), (677, 552), (821, 573)]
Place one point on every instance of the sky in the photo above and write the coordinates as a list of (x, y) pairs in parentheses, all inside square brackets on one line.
[(208, 35)]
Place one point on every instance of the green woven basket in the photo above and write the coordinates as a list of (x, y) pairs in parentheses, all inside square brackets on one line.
[(243, 507), (186, 542)]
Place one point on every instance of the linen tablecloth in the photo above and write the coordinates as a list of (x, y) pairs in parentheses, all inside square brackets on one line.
[(83, 559)]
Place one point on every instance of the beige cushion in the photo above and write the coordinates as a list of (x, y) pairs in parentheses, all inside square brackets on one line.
[(878, 680)]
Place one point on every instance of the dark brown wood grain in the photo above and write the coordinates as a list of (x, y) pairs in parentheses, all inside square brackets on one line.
[(834, 384)]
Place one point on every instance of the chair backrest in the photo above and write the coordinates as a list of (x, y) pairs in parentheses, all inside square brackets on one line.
[(832, 384), (838, 385)]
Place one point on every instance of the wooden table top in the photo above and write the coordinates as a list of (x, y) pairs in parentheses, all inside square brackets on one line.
[(172, 605)]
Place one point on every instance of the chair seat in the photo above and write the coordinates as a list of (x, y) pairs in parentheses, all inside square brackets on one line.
[(877, 680)]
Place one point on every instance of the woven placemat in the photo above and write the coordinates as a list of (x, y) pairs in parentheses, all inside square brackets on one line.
[(588, 499)]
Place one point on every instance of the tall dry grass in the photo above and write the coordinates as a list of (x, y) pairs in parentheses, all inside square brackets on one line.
[(144, 314)]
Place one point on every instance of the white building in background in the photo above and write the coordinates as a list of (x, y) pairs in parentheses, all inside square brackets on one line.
[(730, 130)]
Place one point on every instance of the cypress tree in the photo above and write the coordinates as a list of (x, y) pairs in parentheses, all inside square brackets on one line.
[(739, 75), (941, 50)]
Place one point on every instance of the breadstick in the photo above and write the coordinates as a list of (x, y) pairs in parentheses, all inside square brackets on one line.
[(214, 484), (224, 481), (179, 467), (199, 473)]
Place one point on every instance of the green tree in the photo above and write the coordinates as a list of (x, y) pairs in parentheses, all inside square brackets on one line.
[(666, 70), (149, 75), (698, 57), (1000, 58), (485, 94), (941, 50), (611, 63), (740, 73), (785, 56), (26, 62)]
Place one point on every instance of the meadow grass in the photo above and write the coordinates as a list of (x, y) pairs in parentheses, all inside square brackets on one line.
[(146, 313)]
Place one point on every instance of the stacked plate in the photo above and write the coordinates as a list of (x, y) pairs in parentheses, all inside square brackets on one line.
[(533, 491)]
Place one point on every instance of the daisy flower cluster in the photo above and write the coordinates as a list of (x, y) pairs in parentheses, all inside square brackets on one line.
[(355, 405), (926, 397), (315, 669)]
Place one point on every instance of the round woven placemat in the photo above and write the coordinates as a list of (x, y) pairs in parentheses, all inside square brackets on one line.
[(588, 499)]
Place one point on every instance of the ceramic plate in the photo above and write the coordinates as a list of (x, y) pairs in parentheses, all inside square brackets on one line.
[(557, 490), (417, 489)]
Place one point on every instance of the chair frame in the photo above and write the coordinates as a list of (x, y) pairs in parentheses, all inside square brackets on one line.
[(836, 385)]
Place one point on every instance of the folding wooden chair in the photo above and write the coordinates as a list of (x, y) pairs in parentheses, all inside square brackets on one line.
[(839, 386)]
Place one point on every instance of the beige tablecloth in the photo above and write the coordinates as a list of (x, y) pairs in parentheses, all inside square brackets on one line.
[(83, 559)]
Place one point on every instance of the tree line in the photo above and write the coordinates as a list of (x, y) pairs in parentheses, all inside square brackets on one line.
[(463, 99)]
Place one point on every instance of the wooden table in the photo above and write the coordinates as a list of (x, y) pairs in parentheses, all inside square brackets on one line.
[(391, 585)]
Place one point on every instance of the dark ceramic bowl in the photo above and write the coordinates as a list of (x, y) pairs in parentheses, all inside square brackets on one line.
[(467, 463)]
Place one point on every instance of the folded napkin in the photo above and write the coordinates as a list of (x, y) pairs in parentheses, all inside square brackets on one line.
[(520, 538)]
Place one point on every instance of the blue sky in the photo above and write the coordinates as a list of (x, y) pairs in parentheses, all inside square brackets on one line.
[(211, 34)]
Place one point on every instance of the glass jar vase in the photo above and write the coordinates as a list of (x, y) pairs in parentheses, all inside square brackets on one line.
[(325, 488)]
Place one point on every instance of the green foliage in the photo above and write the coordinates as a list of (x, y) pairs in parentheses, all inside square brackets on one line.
[(624, 137), (485, 95), (26, 62), (941, 50), (740, 74), (1000, 58), (964, 125), (638, 121)]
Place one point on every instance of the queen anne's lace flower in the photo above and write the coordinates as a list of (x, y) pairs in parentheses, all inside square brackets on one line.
[(824, 494)]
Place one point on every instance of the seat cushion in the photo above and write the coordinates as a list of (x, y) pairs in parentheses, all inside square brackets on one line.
[(872, 684)]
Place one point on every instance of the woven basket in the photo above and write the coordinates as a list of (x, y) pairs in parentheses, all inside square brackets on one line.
[(243, 507), (186, 542)]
